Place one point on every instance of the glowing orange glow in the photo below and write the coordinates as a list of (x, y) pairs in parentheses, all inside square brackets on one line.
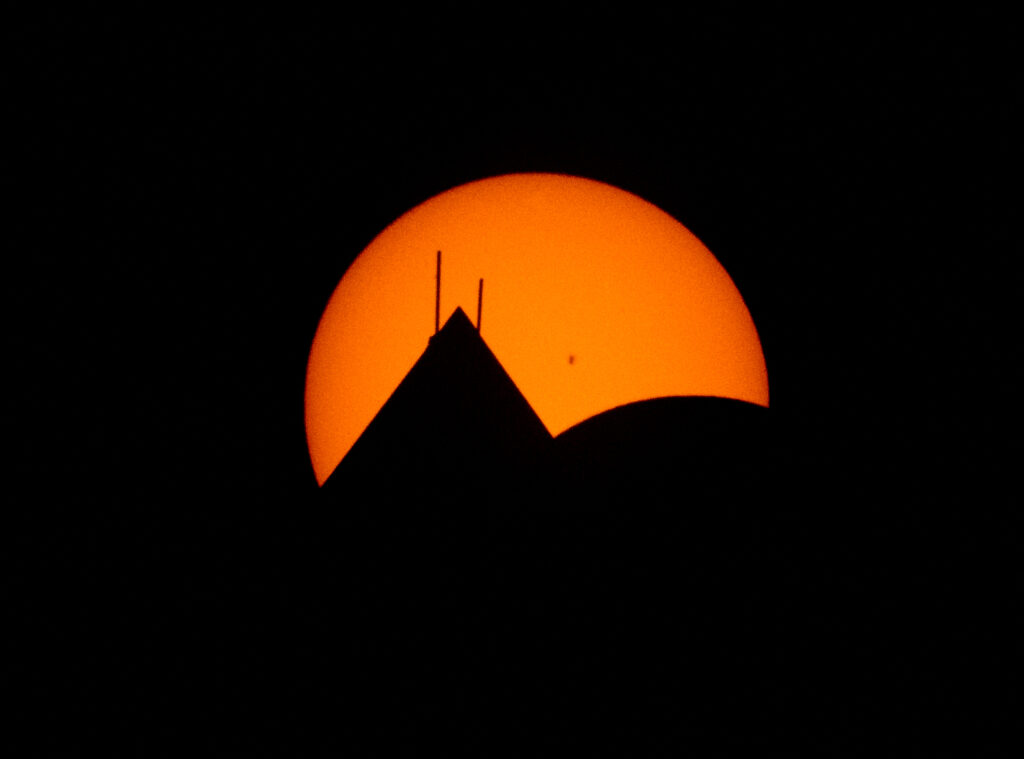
[(594, 298)]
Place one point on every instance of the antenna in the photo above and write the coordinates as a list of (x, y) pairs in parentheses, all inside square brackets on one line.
[(479, 305), (437, 300)]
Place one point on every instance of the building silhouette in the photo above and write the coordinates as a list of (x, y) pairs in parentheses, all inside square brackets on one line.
[(455, 429), (502, 580)]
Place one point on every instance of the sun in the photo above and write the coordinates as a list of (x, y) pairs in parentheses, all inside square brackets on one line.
[(594, 298)]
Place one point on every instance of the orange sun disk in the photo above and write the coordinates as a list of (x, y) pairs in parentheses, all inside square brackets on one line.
[(594, 298)]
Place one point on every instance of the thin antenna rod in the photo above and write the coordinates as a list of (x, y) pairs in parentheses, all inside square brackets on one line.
[(479, 305), (437, 300)]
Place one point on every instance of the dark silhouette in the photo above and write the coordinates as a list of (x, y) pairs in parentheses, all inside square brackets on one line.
[(479, 305), (623, 579), (437, 296), (455, 426)]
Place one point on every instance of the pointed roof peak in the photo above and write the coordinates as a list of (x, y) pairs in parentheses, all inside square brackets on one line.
[(458, 324), (459, 317)]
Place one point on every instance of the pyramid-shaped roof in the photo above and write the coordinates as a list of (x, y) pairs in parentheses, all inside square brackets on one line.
[(456, 414)]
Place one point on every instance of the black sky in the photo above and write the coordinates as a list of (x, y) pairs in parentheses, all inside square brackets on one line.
[(198, 185)]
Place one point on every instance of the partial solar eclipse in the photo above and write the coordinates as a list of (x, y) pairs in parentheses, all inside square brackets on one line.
[(594, 298)]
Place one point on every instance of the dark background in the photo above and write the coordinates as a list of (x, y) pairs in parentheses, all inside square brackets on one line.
[(197, 185)]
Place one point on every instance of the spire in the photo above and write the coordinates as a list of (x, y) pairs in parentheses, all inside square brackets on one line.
[(437, 299), (479, 304)]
